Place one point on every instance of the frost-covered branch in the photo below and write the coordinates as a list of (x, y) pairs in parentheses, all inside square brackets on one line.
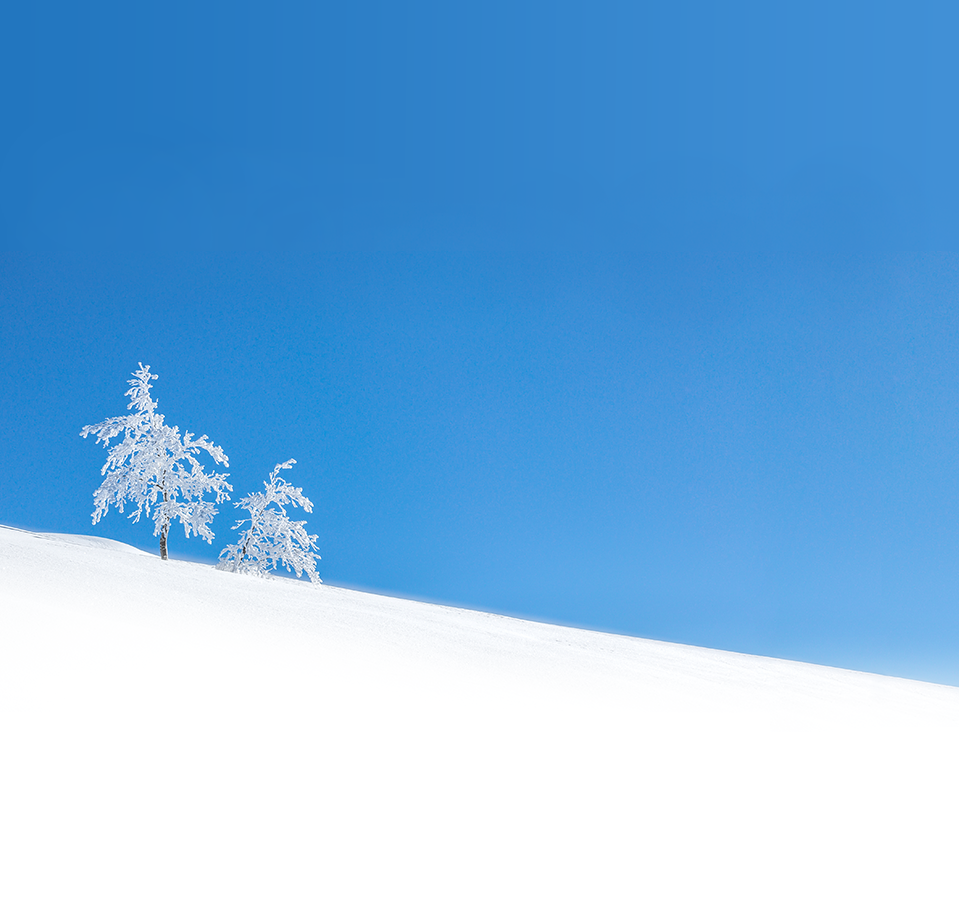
[(270, 537), (156, 469)]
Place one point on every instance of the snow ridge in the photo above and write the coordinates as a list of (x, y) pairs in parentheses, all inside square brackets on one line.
[(174, 730)]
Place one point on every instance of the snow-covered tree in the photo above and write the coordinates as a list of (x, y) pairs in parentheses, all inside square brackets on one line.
[(269, 537), (156, 469)]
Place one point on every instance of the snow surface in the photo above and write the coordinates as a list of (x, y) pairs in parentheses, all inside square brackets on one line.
[(170, 730)]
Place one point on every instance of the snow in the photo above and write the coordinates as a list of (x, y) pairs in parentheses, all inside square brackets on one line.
[(173, 730)]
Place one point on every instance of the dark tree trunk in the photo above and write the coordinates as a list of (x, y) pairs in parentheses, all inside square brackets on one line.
[(166, 528), (163, 533)]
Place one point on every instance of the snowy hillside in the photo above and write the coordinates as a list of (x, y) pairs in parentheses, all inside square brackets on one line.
[(169, 730)]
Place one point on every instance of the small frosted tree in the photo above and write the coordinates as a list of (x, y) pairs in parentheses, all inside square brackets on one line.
[(156, 469), (269, 537)]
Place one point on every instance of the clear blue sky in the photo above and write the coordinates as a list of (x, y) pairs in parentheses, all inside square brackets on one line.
[(635, 319)]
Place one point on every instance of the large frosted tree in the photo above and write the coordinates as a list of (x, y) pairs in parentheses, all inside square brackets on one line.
[(268, 536), (156, 469)]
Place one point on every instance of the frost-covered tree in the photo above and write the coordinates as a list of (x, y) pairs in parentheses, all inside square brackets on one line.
[(269, 537), (156, 469)]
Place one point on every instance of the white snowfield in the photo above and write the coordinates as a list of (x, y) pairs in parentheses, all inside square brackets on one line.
[(170, 730)]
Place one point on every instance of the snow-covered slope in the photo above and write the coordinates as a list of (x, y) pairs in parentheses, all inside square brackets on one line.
[(169, 730)]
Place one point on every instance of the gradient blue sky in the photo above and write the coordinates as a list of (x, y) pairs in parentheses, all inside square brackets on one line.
[(636, 319)]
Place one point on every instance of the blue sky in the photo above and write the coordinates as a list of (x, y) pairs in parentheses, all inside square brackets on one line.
[(643, 321)]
